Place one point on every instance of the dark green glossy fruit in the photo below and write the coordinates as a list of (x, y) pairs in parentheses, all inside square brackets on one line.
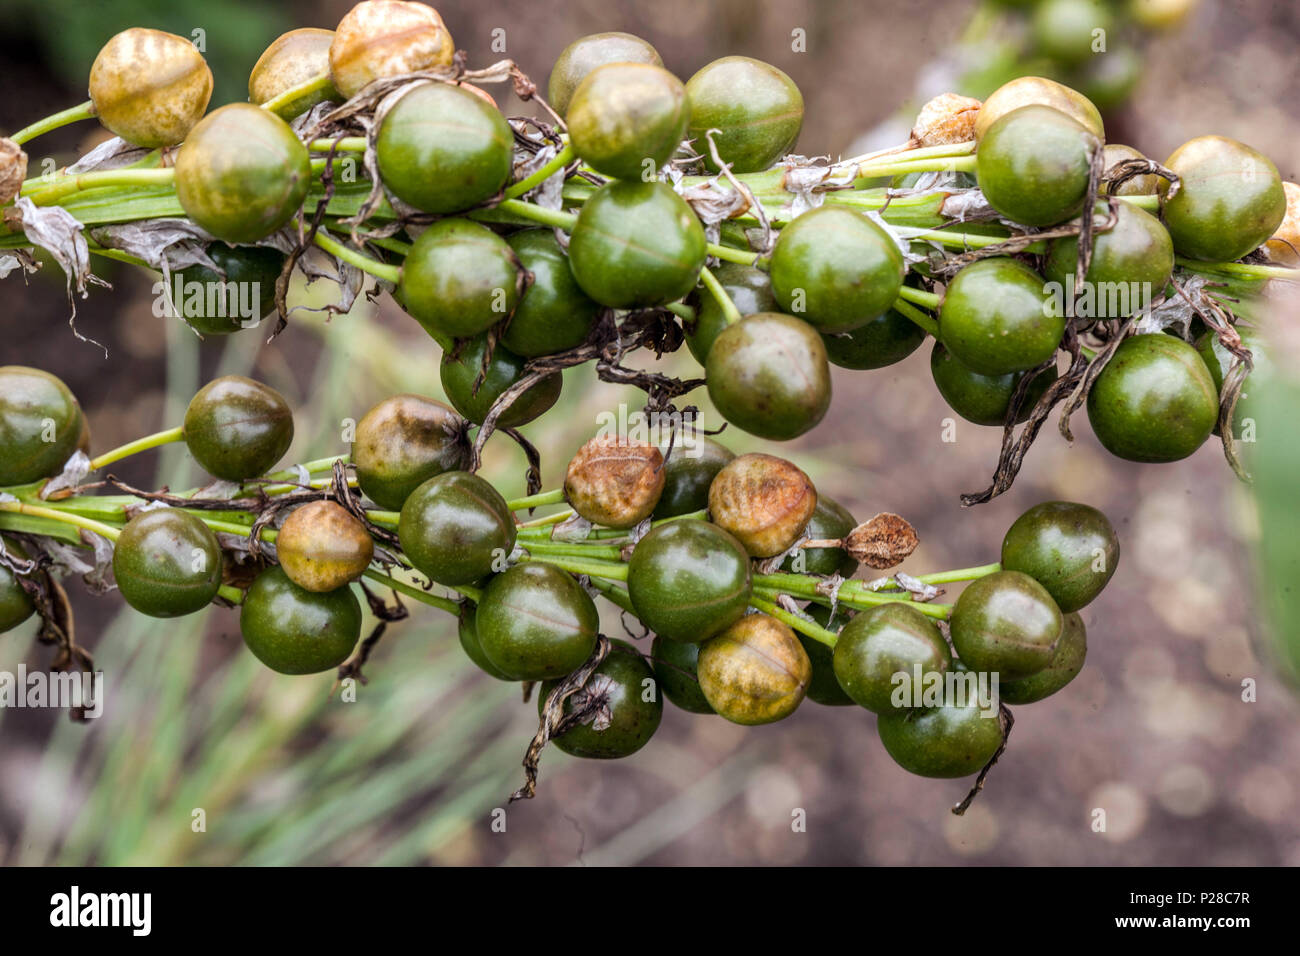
[(830, 520), (1068, 548), (459, 279), (768, 374), (1067, 660), (442, 149), (1230, 202), (878, 645), (1063, 29), (836, 269), (748, 287), (945, 741), (535, 622), (823, 688), (688, 580), (1219, 361), (242, 173), (994, 318), (674, 666), (237, 428), (322, 546), (554, 315), (754, 672), (467, 632), (456, 528), (40, 424), (1005, 623), (636, 245), (15, 605), (627, 119), (1145, 185), (1131, 265), (295, 631), (983, 399), (237, 297), (1038, 91), (403, 442), (586, 54), (614, 481), (1154, 401), (765, 501), (756, 107), (884, 340), (167, 563), (462, 374), (624, 689), (1033, 165), (689, 468)]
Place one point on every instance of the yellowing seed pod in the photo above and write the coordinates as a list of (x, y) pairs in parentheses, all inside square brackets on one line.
[(766, 502), (292, 59), (379, 38), (1284, 247), (322, 546), (150, 87), (615, 481)]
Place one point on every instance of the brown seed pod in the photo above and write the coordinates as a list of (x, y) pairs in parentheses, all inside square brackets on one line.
[(882, 542), (322, 547), (754, 672), (764, 501), (615, 481), (379, 38), (150, 87), (1284, 247), (13, 169), (948, 118), (403, 442), (292, 59)]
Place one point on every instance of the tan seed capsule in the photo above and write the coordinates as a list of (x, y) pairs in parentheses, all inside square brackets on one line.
[(150, 87), (764, 501), (615, 481), (292, 59), (1038, 91), (882, 542), (948, 118), (322, 547), (13, 169), (754, 672), (1284, 247), (379, 38)]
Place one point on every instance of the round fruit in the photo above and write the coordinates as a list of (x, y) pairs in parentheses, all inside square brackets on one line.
[(823, 688), (765, 502), (1068, 548), (535, 622), (1131, 264), (879, 645), (1005, 623), (755, 106), (1033, 165), (830, 520), (754, 672), (467, 632), (554, 315), (627, 119), (473, 392), (946, 741), (1230, 200), (690, 466), (295, 631), (1284, 245), (1145, 185), (150, 87), (624, 719), (836, 269), (322, 546), (1111, 79), (615, 481), (40, 424), (234, 298), (1067, 661), (768, 375), (688, 580), (242, 173), (456, 528), (1064, 29), (167, 563), (292, 59), (748, 287), (1154, 401), (674, 665), (237, 428), (995, 318), (636, 245), (382, 38), (403, 442), (1219, 361), (585, 54), (15, 604), (983, 399), (884, 340), (459, 279), (442, 127), (1039, 91)]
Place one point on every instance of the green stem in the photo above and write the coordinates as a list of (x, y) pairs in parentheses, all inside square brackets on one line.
[(231, 593), (1150, 202), (411, 591), (140, 444), (614, 593), (547, 217), (62, 186), (284, 105), (574, 550), (807, 628), (951, 239), (729, 310), (344, 144), (531, 182), (553, 497), (956, 575), (744, 257), (1244, 269), (36, 511), (919, 318), (851, 593), (380, 270), (681, 310), (954, 164), (82, 111), (908, 155), (388, 519), (928, 300), (593, 569)]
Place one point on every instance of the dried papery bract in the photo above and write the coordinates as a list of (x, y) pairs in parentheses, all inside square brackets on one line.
[(948, 118), (292, 59), (150, 87), (766, 502), (322, 546), (380, 38), (615, 481), (13, 169), (882, 542)]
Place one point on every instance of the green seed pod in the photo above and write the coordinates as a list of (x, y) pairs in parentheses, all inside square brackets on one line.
[(830, 520), (886, 339), (443, 149), (768, 375), (636, 245), (748, 287), (1038, 91), (382, 38), (588, 53), (1005, 623), (688, 580), (535, 622), (213, 303), (625, 720), (627, 119), (878, 645), (295, 631), (1068, 548), (150, 87), (15, 604), (459, 279), (242, 173), (323, 547), (403, 442), (1219, 361), (995, 318), (292, 59), (1111, 79), (237, 428), (1063, 29), (983, 399), (755, 672), (615, 481), (1135, 257), (1154, 401), (1067, 660), (474, 398), (756, 107), (467, 632), (947, 741), (1033, 165), (674, 663), (167, 563), (554, 315), (689, 468), (766, 502), (823, 688), (456, 528), (40, 424)]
